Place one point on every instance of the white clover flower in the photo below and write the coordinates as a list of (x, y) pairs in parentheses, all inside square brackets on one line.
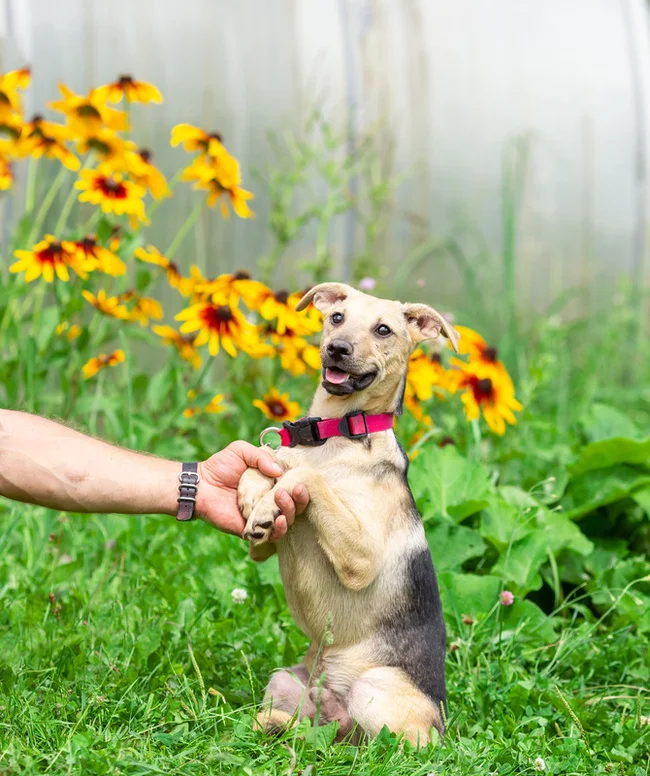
[(539, 764), (239, 595)]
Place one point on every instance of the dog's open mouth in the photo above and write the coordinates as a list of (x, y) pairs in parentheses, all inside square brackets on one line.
[(340, 382)]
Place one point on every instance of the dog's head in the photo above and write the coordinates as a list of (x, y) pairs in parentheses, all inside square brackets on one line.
[(367, 342)]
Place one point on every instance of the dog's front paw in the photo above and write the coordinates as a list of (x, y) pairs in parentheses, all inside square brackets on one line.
[(259, 525), (253, 486)]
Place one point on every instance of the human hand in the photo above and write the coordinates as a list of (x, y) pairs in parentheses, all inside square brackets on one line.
[(216, 498)]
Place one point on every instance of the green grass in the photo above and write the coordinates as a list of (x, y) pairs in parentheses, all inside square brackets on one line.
[(122, 651)]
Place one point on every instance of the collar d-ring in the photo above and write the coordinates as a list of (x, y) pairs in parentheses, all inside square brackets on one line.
[(266, 431)]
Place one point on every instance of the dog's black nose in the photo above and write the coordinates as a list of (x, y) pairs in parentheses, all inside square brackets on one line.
[(338, 348)]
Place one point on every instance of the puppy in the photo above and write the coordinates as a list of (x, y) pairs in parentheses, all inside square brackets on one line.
[(356, 567)]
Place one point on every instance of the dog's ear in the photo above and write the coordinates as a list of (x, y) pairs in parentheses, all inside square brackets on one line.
[(426, 323), (324, 295)]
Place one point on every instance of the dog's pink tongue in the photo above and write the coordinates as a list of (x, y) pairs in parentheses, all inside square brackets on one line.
[(336, 376)]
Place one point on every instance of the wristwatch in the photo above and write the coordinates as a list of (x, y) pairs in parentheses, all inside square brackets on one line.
[(189, 479)]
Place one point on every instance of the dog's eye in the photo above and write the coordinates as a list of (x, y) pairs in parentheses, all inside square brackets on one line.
[(383, 330), (336, 318)]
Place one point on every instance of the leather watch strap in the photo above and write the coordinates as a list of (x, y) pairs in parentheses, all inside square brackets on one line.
[(189, 479)]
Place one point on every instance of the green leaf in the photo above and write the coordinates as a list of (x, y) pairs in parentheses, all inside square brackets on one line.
[(448, 484), (594, 489), (642, 498), (562, 533), (605, 422), (610, 452), (158, 390), (527, 619), (502, 523), (521, 563), (468, 593), (451, 545)]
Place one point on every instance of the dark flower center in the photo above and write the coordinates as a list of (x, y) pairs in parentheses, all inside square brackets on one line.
[(89, 242), (242, 275), (145, 154), (37, 118), (88, 111), (276, 408), (483, 390), (99, 145), (224, 313), (216, 136), (490, 354), (446, 441), (219, 318), (282, 296), (125, 80), (436, 358), (112, 188)]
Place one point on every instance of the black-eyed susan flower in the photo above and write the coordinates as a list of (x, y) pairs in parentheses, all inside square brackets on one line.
[(233, 287), (144, 309), (100, 258), (101, 361), (50, 258), (238, 198), (280, 308), (109, 147), (184, 345), (71, 332), (474, 346), (108, 305), (218, 325), (88, 114), (126, 87), (277, 406), (195, 139), (10, 134), (214, 406), (146, 174), (44, 138), (10, 84), (113, 193), (152, 255), (489, 390), (426, 373), (297, 355)]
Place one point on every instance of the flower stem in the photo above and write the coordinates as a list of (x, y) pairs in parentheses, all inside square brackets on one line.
[(182, 232), (30, 191), (46, 205), (197, 384), (172, 182), (65, 212)]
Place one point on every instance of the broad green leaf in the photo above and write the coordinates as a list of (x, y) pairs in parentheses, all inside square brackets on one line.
[(605, 422), (448, 484), (562, 533), (594, 489), (502, 523), (609, 452), (520, 564), (468, 593), (451, 545), (526, 619), (642, 498)]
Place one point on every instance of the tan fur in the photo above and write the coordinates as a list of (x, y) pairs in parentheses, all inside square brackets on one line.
[(342, 561)]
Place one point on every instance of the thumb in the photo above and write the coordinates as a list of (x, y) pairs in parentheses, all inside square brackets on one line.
[(258, 458)]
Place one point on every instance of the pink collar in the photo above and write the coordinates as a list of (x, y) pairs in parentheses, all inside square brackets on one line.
[(313, 432)]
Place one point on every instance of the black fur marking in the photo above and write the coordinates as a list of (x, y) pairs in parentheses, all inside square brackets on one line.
[(414, 634), (399, 409)]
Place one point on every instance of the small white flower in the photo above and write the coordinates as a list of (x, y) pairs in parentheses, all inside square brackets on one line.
[(539, 764), (239, 595), (644, 721)]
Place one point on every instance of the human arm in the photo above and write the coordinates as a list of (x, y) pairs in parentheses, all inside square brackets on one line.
[(47, 463)]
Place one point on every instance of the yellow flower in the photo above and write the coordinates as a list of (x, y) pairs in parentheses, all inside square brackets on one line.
[(43, 138), (146, 174), (474, 346), (88, 115), (99, 258), (112, 192), (153, 256), (217, 325), (296, 354), (71, 332), (280, 307), (276, 406), (144, 308), (108, 305), (209, 143), (414, 407), (214, 406), (11, 130), (6, 174), (424, 374), (184, 345), (93, 366), (233, 287), (48, 258), (128, 88), (10, 83), (109, 147), (488, 389)]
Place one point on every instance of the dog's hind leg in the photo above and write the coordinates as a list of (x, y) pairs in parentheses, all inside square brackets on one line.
[(286, 700), (386, 696)]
